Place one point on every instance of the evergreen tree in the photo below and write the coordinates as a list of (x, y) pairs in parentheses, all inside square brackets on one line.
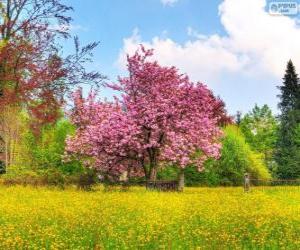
[(238, 117), (288, 144)]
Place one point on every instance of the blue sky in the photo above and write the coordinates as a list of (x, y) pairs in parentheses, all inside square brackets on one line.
[(111, 21), (236, 47)]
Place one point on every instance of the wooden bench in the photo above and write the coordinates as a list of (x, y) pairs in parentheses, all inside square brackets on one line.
[(162, 185)]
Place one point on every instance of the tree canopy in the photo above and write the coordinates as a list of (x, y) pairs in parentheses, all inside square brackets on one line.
[(162, 117), (260, 129)]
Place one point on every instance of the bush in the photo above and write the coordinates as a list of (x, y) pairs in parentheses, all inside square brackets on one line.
[(24, 178), (50, 177), (168, 173), (193, 177), (207, 177), (53, 177), (86, 180)]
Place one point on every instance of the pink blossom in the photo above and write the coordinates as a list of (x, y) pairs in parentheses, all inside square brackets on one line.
[(161, 117)]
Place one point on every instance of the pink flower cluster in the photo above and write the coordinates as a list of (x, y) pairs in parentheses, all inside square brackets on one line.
[(161, 118)]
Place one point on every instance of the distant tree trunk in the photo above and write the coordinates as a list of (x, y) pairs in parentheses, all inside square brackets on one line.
[(181, 180), (6, 155)]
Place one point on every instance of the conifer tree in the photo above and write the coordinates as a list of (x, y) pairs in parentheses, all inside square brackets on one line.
[(288, 144), (238, 117)]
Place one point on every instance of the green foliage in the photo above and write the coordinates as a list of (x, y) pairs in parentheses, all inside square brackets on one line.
[(207, 177), (168, 173), (260, 130), (46, 150), (24, 176), (193, 177), (21, 178), (237, 157), (288, 146), (53, 177), (290, 91), (83, 179), (289, 156), (86, 179)]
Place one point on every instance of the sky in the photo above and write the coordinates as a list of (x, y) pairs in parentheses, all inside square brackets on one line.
[(236, 47)]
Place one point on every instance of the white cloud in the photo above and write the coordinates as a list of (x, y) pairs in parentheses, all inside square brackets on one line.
[(244, 66), (168, 2), (268, 41), (203, 58), (256, 43)]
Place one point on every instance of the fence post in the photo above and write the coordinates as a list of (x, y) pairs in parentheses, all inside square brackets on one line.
[(246, 182)]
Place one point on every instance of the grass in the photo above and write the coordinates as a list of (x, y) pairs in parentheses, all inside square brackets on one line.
[(199, 218)]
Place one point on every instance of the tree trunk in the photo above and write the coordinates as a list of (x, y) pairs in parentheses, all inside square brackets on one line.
[(181, 180), (153, 173), (153, 164)]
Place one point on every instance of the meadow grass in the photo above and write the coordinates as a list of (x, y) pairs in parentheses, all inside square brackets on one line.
[(198, 218)]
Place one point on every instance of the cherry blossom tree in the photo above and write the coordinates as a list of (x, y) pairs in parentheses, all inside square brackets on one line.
[(161, 118)]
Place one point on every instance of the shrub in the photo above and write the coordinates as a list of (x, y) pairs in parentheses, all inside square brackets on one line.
[(53, 177), (86, 180), (24, 178), (168, 173)]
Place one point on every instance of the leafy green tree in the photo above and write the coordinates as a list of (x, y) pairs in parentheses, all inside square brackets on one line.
[(288, 146), (46, 151), (260, 130), (237, 158)]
